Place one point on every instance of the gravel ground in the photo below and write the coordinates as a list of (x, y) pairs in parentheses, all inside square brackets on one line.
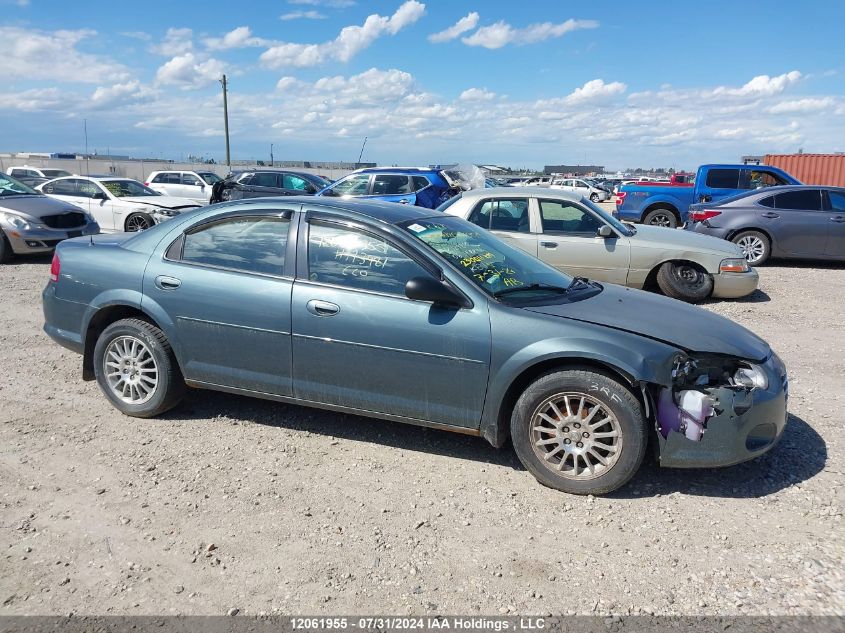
[(230, 503)]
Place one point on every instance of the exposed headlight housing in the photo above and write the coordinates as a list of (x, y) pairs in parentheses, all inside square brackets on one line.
[(751, 377), (734, 265)]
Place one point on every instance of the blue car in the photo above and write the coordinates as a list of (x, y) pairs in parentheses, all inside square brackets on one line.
[(419, 187), (414, 316)]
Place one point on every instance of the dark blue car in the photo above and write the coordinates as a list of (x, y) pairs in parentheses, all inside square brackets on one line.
[(419, 187)]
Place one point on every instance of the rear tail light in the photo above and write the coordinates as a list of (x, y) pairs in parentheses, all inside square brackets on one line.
[(55, 268), (620, 198), (704, 214)]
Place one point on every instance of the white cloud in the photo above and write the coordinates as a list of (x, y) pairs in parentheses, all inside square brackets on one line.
[(350, 41), (300, 15), (762, 85), (466, 23), (53, 55), (595, 91), (501, 33), (801, 105), (120, 93), (188, 71), (240, 37), (137, 35), (477, 94), (175, 42), (34, 100)]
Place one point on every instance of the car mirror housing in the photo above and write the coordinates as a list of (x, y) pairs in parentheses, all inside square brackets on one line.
[(426, 288), (100, 196), (605, 231)]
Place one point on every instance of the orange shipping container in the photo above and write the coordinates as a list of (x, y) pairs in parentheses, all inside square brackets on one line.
[(811, 169)]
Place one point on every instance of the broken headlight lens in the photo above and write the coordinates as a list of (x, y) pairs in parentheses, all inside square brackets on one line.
[(751, 377)]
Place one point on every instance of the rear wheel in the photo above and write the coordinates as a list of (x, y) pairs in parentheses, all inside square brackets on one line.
[(136, 369), (755, 246), (6, 253), (685, 281), (661, 217), (579, 431), (138, 222)]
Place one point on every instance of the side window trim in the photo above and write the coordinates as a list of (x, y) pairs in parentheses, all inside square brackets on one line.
[(288, 264)]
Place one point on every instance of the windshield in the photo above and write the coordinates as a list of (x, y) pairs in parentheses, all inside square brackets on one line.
[(488, 262), (11, 187), (209, 177), (127, 188), (623, 228), (55, 173)]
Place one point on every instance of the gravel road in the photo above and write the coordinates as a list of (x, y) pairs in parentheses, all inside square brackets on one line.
[(230, 503)]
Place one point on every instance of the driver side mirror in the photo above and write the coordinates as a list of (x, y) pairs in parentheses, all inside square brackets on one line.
[(427, 288), (100, 195), (605, 231)]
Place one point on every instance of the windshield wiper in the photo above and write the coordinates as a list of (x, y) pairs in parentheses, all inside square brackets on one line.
[(578, 282), (550, 287)]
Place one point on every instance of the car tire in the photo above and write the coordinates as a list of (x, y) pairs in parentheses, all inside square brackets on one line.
[(755, 246), (133, 355), (543, 428), (6, 253), (661, 216), (594, 197), (138, 222), (685, 281)]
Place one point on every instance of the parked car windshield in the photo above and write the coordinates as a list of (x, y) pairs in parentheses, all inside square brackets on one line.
[(127, 188), (209, 177), (11, 187), (623, 228), (492, 265)]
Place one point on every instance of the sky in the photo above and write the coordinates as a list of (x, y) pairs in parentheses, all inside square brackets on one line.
[(520, 84)]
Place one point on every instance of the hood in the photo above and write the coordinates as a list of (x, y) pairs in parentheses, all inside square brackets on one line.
[(679, 324), (38, 207), (676, 239), (162, 202)]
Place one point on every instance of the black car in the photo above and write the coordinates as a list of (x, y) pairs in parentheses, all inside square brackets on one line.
[(794, 221), (259, 183)]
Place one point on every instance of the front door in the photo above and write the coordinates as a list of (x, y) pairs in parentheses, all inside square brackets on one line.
[(226, 290), (359, 343), (510, 220), (797, 223), (570, 242)]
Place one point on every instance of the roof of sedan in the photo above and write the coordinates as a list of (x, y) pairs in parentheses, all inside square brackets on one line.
[(389, 212), (509, 192)]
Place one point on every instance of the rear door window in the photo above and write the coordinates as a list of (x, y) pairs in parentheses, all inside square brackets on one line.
[(723, 179), (801, 199), (253, 244), (265, 179), (391, 185), (420, 182), (502, 215)]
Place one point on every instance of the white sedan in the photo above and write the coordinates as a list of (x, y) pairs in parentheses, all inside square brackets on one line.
[(117, 204)]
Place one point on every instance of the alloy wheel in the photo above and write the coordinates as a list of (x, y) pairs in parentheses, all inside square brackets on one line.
[(131, 370), (752, 247), (661, 219), (576, 436), (137, 223)]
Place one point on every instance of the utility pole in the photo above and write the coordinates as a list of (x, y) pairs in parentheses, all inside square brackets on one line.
[(363, 145), (271, 154), (226, 120)]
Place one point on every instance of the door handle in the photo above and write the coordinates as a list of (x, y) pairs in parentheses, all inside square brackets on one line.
[(404, 201), (548, 244), (837, 218), (164, 282), (322, 308), (770, 215)]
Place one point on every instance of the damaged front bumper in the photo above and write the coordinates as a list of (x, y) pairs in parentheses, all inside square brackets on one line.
[(744, 424)]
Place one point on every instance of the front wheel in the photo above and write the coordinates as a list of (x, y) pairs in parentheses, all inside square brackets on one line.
[(138, 222), (579, 431), (755, 246), (594, 197), (661, 217), (136, 369), (685, 281)]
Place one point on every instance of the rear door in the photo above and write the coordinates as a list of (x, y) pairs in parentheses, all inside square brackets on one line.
[(836, 216), (797, 223), (570, 242), (226, 286)]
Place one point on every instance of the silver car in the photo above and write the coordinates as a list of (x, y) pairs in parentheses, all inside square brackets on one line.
[(31, 223), (582, 187), (572, 234)]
